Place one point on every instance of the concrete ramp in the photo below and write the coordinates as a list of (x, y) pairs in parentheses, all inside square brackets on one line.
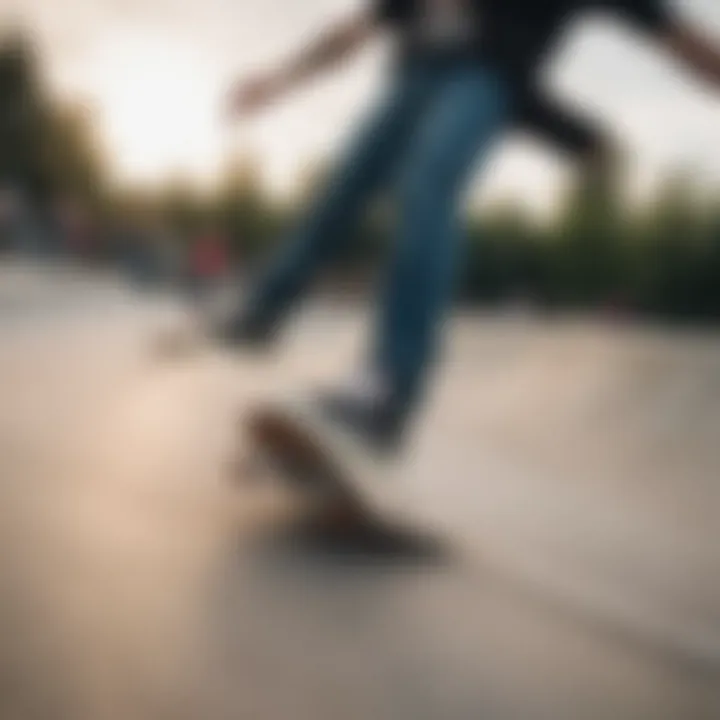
[(571, 466), (598, 448)]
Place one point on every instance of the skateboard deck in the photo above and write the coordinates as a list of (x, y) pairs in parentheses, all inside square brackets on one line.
[(358, 510), (304, 454)]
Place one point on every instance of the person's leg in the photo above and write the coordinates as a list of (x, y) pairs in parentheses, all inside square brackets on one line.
[(466, 117), (367, 165)]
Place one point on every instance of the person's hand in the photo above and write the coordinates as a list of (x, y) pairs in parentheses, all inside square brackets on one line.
[(250, 96)]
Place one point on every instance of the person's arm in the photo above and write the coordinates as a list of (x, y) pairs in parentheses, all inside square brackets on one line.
[(331, 47), (569, 130), (661, 20), (694, 49)]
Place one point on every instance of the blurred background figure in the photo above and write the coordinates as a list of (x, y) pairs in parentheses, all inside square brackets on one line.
[(168, 254), (78, 235), (136, 249), (7, 218), (208, 264), (24, 231)]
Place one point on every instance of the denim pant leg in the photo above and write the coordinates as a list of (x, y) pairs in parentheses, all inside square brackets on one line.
[(369, 163), (467, 114)]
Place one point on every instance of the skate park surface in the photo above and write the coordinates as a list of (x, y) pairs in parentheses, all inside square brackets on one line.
[(569, 467)]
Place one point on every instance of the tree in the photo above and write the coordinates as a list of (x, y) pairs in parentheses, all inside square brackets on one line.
[(500, 260), (587, 260), (46, 147), (244, 209), (23, 115), (182, 205), (73, 160)]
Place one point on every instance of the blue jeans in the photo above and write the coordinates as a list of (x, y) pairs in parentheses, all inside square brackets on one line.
[(438, 120)]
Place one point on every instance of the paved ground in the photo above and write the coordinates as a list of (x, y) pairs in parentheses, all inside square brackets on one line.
[(571, 467)]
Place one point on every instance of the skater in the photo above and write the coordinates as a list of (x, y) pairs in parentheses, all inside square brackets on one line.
[(466, 71)]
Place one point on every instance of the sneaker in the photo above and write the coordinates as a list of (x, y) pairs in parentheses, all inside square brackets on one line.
[(333, 438), (374, 421)]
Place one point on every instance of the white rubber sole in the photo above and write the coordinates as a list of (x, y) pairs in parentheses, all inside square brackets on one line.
[(298, 424)]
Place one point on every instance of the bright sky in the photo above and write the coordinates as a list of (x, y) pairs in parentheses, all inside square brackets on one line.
[(156, 70)]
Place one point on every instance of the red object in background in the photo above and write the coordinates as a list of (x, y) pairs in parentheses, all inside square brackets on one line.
[(209, 256), (77, 227), (79, 241)]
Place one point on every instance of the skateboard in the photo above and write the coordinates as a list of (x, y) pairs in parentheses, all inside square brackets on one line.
[(295, 448), (357, 507)]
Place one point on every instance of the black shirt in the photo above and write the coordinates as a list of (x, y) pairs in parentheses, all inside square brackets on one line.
[(517, 35)]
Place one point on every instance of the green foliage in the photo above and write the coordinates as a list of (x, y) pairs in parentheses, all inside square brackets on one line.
[(72, 157), (24, 115), (46, 148), (242, 208), (677, 268), (663, 260)]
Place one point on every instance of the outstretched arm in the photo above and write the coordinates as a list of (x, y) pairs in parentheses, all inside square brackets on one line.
[(695, 50), (330, 48), (666, 25), (568, 129)]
